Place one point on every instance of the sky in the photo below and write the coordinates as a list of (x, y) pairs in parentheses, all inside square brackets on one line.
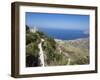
[(57, 21)]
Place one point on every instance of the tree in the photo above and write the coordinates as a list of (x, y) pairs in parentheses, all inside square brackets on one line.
[(27, 28)]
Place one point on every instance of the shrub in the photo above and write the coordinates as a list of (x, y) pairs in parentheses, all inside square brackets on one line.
[(32, 49)]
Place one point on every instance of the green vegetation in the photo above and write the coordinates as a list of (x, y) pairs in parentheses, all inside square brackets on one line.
[(53, 56), (32, 49), (77, 54), (55, 52)]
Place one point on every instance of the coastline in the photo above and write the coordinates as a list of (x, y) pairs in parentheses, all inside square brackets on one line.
[(78, 39)]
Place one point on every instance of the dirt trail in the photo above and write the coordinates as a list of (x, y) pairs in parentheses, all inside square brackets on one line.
[(41, 53)]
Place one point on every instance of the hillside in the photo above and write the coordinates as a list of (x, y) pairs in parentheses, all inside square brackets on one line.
[(42, 50), (76, 50)]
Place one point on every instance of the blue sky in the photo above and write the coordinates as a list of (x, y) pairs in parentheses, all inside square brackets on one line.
[(57, 21)]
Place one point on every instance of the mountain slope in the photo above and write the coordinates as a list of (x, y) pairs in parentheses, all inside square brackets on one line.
[(75, 50), (42, 50)]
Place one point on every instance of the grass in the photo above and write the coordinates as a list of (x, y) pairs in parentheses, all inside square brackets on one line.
[(77, 54)]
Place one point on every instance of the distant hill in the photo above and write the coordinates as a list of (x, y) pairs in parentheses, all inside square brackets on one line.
[(44, 50)]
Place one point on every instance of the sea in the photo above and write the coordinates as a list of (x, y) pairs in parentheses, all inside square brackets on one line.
[(65, 34)]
